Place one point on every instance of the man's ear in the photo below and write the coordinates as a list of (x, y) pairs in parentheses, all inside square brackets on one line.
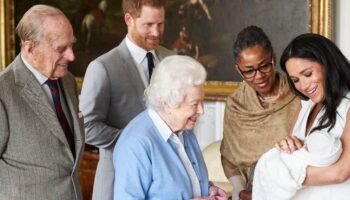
[(28, 46), (128, 19)]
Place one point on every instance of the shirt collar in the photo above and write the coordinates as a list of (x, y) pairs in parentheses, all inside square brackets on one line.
[(38, 75), (160, 124), (137, 52)]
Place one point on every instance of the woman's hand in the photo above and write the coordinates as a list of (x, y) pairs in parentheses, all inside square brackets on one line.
[(218, 193), (238, 184), (203, 198), (245, 195), (215, 193), (289, 144)]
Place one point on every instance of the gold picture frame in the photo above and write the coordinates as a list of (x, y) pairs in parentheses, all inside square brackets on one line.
[(320, 21), (7, 35)]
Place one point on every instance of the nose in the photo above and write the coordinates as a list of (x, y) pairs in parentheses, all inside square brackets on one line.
[(259, 74), (200, 108), (69, 54), (157, 30), (304, 84)]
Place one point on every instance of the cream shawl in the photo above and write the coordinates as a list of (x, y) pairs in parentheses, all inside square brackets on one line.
[(252, 127)]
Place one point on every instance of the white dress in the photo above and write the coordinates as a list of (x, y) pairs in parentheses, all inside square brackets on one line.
[(326, 192), (279, 176)]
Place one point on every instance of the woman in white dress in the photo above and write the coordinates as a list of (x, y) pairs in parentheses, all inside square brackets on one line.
[(319, 73)]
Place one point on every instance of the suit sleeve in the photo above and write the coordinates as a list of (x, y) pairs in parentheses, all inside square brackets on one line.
[(94, 104), (4, 129), (133, 172)]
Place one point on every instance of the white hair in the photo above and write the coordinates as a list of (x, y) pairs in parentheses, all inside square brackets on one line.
[(32, 25), (171, 78)]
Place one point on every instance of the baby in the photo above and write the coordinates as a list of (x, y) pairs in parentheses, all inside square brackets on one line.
[(278, 175)]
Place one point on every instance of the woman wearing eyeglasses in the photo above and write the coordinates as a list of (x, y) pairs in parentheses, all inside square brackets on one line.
[(258, 114)]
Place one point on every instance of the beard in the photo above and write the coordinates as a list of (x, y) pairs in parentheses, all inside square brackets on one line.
[(146, 42)]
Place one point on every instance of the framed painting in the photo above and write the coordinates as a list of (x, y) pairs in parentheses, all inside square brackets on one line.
[(98, 27), (203, 29), (207, 29)]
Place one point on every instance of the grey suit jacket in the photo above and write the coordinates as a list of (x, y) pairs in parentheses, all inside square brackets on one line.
[(111, 96), (35, 159)]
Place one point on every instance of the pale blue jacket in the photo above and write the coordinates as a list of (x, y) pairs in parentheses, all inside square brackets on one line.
[(148, 167)]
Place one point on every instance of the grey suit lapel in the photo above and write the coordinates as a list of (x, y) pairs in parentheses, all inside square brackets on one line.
[(159, 54), (131, 71), (37, 100), (70, 97)]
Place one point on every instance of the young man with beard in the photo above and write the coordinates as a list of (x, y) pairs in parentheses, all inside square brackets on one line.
[(112, 92)]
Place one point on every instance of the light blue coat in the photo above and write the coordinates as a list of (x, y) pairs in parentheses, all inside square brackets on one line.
[(148, 167)]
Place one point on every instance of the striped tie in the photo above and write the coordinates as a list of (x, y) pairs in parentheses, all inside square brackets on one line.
[(53, 85)]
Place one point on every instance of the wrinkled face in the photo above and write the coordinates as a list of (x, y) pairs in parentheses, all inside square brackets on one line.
[(253, 58), (308, 78), (146, 30), (185, 116), (52, 54)]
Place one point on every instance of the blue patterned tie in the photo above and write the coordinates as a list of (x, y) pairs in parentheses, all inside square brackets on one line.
[(53, 85)]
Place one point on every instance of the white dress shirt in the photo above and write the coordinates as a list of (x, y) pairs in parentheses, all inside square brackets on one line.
[(140, 59), (178, 141)]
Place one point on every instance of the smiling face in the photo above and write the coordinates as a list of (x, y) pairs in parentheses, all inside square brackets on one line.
[(252, 58), (52, 54), (184, 117), (307, 77), (147, 29)]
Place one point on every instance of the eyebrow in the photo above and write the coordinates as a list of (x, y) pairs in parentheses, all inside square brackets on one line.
[(263, 62), (302, 72)]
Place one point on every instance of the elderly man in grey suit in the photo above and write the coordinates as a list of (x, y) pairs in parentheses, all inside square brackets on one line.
[(114, 83), (41, 134)]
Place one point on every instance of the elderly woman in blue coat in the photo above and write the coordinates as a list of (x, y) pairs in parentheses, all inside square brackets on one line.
[(157, 155)]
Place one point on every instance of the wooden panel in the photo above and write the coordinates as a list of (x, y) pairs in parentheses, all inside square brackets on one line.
[(87, 173)]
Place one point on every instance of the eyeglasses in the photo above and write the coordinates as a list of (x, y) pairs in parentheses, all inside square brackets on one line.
[(266, 68)]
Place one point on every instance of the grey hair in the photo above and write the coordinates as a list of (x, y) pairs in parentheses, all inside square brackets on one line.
[(31, 26), (170, 80)]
